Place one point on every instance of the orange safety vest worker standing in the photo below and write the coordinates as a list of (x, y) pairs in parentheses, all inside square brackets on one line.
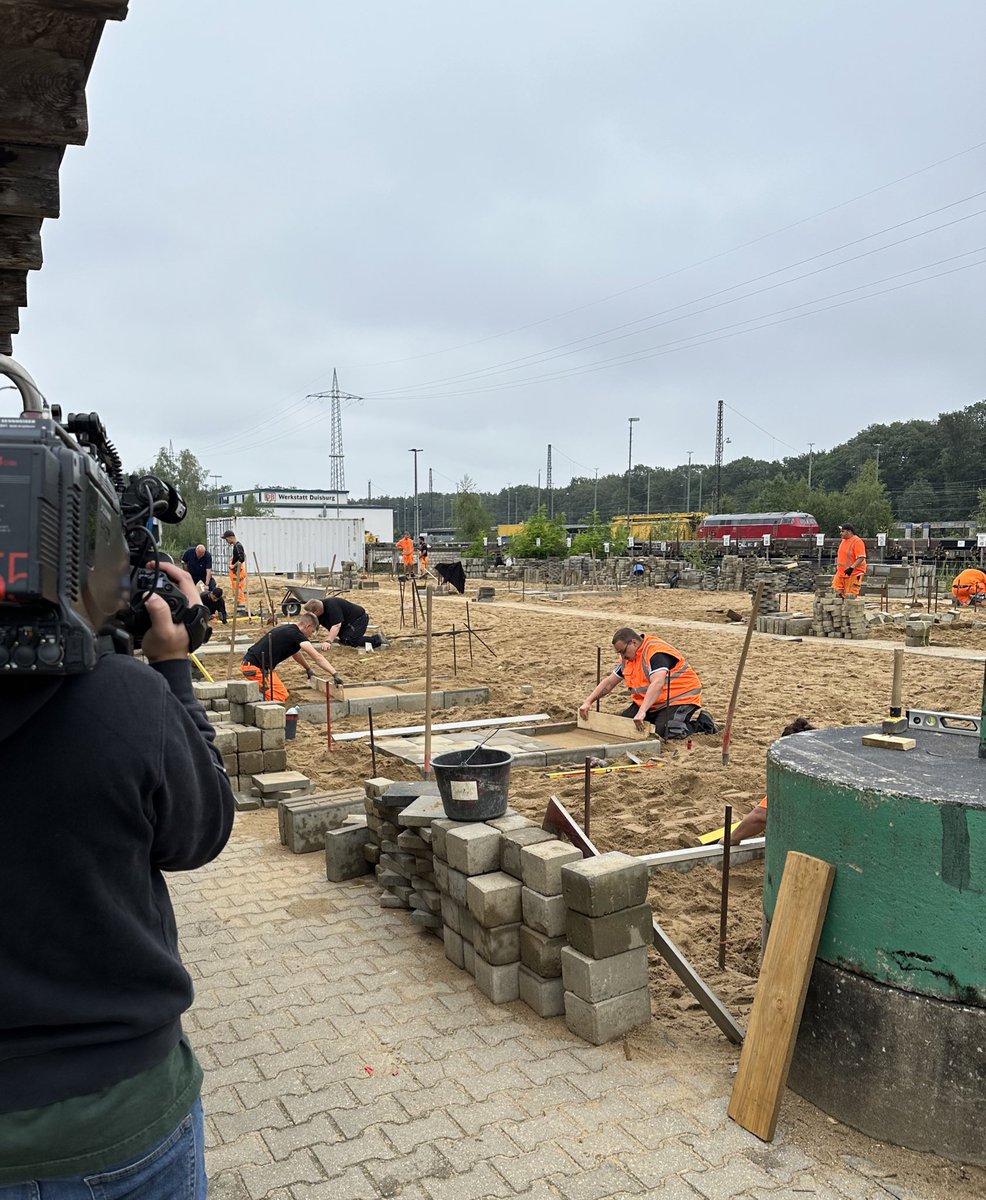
[(969, 587), (406, 547), (851, 564), (664, 688)]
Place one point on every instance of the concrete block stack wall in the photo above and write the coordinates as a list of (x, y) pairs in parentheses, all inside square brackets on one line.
[(425, 900), (731, 573), (838, 616), (249, 731), (609, 927), (789, 624), (774, 582), (401, 854)]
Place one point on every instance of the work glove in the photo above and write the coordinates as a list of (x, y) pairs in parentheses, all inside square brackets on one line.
[(309, 672), (848, 572), (337, 680)]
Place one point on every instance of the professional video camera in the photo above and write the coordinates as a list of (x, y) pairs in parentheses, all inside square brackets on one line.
[(75, 541)]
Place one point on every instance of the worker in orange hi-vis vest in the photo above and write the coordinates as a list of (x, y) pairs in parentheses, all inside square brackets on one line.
[(851, 564), (969, 587), (664, 689), (406, 547), (237, 569)]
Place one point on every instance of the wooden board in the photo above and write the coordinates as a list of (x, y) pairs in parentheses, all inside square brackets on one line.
[(600, 722), (780, 997), (887, 741)]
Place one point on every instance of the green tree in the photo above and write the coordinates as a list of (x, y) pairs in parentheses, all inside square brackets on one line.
[(980, 515), (187, 475), (592, 539), (540, 528), (867, 506), (918, 502), (472, 520)]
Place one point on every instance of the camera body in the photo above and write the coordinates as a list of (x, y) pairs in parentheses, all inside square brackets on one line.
[(74, 538)]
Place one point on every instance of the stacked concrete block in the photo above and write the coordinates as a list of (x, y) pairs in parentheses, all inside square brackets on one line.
[(344, 857), (838, 616), (395, 866), (609, 927), (274, 786), (542, 933), (303, 821), (774, 582), (787, 624), (415, 838), (249, 731)]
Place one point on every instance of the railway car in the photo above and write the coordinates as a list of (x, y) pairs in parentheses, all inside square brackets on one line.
[(750, 526)]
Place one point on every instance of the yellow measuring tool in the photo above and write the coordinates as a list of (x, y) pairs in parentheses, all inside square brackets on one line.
[(714, 835), (205, 674), (603, 770)]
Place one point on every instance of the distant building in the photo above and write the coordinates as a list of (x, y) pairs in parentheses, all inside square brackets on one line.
[(318, 504)]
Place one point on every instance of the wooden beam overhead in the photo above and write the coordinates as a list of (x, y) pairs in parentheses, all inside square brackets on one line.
[(6, 344), (20, 243), (29, 180), (10, 318), (13, 288), (107, 10)]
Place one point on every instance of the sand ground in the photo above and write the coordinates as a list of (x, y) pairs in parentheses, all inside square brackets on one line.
[(542, 656)]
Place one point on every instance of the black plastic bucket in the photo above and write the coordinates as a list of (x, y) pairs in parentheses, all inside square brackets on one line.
[(473, 790)]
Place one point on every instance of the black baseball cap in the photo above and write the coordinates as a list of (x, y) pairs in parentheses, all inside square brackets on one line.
[(848, 528)]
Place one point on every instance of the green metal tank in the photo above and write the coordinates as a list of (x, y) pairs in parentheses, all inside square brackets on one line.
[(893, 1037)]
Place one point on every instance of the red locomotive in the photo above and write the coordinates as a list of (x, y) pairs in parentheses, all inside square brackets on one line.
[(750, 526)]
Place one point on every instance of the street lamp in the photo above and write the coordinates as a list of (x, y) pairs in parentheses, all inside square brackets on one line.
[(417, 521), (688, 483), (811, 457), (699, 474), (629, 469)]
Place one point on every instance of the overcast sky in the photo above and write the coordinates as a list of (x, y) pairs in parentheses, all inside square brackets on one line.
[(515, 223)]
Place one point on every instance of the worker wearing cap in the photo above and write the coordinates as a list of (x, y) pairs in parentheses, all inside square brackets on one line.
[(237, 568), (851, 564), (969, 587)]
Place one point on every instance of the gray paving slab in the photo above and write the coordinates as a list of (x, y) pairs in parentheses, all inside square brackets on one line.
[(345, 1056)]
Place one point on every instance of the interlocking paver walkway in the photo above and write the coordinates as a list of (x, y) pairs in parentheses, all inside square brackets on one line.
[(345, 1057)]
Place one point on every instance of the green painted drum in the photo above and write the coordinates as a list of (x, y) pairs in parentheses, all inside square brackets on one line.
[(893, 1035), (907, 834)]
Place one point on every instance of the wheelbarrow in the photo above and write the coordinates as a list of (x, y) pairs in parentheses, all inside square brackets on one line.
[(296, 597)]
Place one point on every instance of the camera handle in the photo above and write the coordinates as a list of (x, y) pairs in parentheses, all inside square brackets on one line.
[(35, 405)]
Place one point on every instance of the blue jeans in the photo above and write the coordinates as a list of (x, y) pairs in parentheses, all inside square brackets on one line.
[(171, 1169)]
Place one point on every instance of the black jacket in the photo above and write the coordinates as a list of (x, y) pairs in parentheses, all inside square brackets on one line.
[(109, 779)]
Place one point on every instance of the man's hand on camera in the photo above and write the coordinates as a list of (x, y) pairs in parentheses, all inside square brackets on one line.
[(165, 640)]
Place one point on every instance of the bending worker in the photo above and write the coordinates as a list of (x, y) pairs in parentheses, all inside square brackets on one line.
[(346, 622), (851, 565), (754, 824), (664, 689), (281, 643), (197, 561), (969, 587)]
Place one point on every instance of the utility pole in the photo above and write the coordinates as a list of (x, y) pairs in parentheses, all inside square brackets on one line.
[(551, 498), (629, 469), (699, 474), (811, 457), (539, 492), (431, 499), (216, 486), (417, 517), (717, 494), (648, 492), (369, 491), (337, 458), (595, 494), (878, 445), (688, 483)]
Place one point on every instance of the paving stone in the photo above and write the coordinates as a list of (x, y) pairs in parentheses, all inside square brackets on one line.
[(514, 840), (546, 914), (473, 849), (453, 947), (494, 899), (268, 714), (609, 1019), (599, 937), (242, 691), (541, 864), (344, 853), (605, 884), (540, 953), (499, 983), (421, 812), (545, 996), (467, 924), (376, 787), (593, 979), (456, 885), (468, 958), (499, 945), (450, 914), (510, 820), (440, 871), (439, 832)]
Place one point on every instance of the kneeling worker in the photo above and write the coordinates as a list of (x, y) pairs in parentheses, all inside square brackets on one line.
[(969, 587), (665, 690), (280, 643), (346, 622)]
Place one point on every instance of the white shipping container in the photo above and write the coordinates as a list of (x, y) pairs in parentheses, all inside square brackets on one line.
[(285, 545)]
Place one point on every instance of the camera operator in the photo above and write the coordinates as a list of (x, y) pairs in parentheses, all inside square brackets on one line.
[(110, 778)]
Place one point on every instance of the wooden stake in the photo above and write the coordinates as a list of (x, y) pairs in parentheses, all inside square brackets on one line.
[(430, 593), (232, 646), (373, 746), (730, 712), (328, 719), (454, 668), (469, 627), (588, 786), (897, 686), (780, 998), (599, 669), (724, 899), (263, 582)]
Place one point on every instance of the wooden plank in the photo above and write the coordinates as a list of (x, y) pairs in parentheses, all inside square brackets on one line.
[(13, 288), (29, 180), (600, 722), (693, 854), (780, 996), (10, 318), (403, 730), (6, 344), (887, 741), (44, 62), (107, 10), (20, 243), (709, 1001)]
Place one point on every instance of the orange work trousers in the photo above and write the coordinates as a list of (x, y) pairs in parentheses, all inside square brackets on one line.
[(848, 585), (237, 583), (275, 690)]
